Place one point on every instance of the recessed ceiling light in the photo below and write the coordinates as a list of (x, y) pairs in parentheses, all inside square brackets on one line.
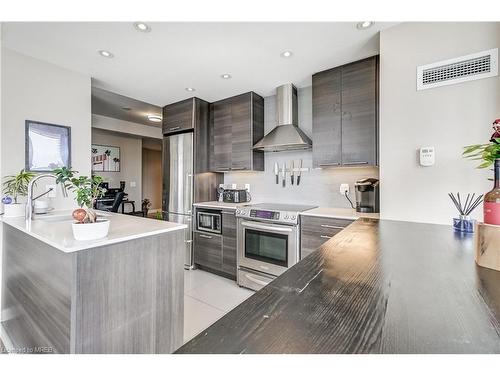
[(286, 54), (141, 26), (226, 76), (364, 25), (105, 53), (190, 89), (154, 118)]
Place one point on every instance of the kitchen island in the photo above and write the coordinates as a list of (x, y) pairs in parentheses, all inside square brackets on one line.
[(119, 294), (376, 287)]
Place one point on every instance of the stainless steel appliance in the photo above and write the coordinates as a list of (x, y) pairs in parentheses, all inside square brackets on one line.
[(178, 185), (268, 242), (367, 195), (209, 220), (286, 135), (236, 195)]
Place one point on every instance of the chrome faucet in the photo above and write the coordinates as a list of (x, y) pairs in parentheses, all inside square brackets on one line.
[(30, 200)]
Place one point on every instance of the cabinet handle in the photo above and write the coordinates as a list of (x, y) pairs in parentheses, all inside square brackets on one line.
[(205, 236), (323, 236), (356, 163), (331, 226), (189, 241), (238, 168), (328, 164), (223, 169), (174, 128)]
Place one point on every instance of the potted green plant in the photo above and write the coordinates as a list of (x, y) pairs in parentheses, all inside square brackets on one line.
[(14, 187), (87, 225), (489, 155)]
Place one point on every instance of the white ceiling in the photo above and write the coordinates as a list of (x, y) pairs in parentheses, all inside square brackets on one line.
[(156, 67)]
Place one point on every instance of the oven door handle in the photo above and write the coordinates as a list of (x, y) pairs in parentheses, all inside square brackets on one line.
[(265, 227)]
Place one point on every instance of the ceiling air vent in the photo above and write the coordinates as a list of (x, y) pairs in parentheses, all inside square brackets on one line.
[(461, 69)]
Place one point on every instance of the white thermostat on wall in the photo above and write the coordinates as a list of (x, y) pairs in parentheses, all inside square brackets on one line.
[(427, 156)]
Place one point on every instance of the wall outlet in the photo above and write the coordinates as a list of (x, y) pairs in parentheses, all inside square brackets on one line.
[(233, 186), (344, 188), (133, 184), (247, 187), (53, 193)]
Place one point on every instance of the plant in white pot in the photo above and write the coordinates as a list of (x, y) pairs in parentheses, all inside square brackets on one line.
[(87, 225), (14, 187)]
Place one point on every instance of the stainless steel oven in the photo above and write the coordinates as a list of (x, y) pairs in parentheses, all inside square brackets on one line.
[(266, 247), (209, 221), (268, 242)]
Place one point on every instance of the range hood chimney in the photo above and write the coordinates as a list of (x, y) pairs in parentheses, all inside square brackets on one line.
[(286, 135)]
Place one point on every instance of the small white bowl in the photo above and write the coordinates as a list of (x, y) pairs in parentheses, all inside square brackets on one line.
[(90, 231)]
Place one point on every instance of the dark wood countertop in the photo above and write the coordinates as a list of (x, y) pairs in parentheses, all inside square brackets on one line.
[(376, 287)]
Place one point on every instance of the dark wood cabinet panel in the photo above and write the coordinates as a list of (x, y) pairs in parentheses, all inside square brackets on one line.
[(178, 116), (229, 243), (222, 133), (345, 115), (359, 113), (237, 122), (315, 231), (202, 136), (326, 93), (241, 139), (208, 250)]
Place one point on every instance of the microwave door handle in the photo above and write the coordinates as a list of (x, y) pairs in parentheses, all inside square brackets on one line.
[(265, 227)]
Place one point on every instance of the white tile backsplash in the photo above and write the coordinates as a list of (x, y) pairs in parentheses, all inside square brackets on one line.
[(318, 187)]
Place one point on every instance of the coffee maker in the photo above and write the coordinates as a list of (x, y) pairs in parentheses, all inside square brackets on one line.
[(367, 195)]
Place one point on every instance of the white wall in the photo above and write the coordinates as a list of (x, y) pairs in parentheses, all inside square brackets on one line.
[(36, 90), (130, 162), (318, 187), (447, 118)]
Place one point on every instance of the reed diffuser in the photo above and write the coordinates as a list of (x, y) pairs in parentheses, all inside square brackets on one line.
[(463, 223)]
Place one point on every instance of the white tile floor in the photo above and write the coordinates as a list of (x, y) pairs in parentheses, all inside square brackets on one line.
[(207, 298)]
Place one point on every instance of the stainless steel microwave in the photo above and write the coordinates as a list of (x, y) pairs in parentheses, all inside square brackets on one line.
[(209, 221)]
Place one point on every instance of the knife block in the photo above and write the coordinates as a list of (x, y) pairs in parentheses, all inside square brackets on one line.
[(487, 245)]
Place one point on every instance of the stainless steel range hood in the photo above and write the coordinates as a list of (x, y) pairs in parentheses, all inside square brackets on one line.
[(286, 135)]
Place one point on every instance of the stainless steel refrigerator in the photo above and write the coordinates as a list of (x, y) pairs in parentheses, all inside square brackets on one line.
[(178, 185)]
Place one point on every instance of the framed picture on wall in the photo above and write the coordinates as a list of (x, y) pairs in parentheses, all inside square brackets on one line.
[(47, 146), (105, 158)]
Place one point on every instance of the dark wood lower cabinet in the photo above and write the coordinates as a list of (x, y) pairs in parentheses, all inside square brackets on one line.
[(316, 230), (229, 243), (215, 252), (208, 250)]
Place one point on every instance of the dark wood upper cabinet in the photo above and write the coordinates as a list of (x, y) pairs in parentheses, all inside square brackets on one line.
[(345, 115), (222, 146), (359, 113), (178, 116), (327, 122), (238, 122)]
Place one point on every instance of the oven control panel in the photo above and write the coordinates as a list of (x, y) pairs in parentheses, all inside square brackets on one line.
[(276, 216)]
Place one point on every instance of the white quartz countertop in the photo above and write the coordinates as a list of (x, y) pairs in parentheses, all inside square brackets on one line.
[(338, 213), (55, 229), (221, 205)]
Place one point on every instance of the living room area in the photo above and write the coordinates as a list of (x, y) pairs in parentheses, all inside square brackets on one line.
[(126, 152)]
